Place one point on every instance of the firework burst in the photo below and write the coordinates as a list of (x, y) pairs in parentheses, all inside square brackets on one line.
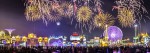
[(36, 9), (83, 14), (54, 12), (67, 9), (32, 13), (134, 6), (126, 17), (101, 20), (98, 6), (54, 15)]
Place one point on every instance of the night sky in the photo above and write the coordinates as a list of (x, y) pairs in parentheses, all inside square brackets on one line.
[(12, 16)]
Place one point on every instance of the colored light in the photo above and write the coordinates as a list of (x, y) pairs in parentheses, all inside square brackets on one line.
[(58, 23), (114, 33)]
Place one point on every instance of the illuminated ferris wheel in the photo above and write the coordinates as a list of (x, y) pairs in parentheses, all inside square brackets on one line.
[(114, 33)]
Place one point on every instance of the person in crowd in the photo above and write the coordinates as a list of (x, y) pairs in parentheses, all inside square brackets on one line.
[(73, 49)]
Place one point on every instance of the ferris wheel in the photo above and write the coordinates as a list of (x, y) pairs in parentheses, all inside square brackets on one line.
[(114, 33)]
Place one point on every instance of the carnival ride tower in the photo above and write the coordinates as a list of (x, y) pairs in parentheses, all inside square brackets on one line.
[(106, 35)]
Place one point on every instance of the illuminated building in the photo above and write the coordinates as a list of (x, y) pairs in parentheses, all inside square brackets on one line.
[(75, 39)]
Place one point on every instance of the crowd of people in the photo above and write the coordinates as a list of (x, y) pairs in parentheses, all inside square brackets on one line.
[(72, 49)]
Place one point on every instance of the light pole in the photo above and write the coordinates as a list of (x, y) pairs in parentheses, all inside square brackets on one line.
[(135, 29)]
